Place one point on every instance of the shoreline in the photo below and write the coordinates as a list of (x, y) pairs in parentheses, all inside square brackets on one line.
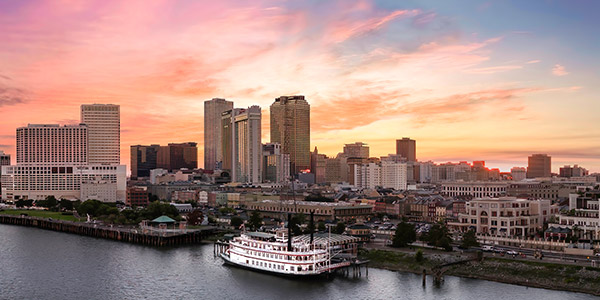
[(497, 270), (109, 233), (493, 279)]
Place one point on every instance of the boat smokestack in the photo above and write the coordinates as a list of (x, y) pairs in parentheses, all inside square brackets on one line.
[(289, 232), (312, 225)]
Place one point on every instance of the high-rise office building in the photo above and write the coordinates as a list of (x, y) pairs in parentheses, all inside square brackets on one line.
[(143, 159), (539, 165), (227, 137), (318, 163), (213, 110), (276, 165), (407, 148), (394, 175), (4, 161), (290, 127), (574, 171), (241, 144), (518, 173), (177, 156), (356, 150), (104, 132), (249, 145), (50, 144)]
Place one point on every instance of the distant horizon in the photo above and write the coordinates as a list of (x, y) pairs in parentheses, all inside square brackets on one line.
[(494, 81)]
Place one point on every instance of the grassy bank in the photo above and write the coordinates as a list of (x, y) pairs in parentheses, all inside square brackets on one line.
[(527, 273), (534, 274), (40, 214), (392, 260)]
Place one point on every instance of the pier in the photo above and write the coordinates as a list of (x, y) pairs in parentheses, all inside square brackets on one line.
[(128, 235)]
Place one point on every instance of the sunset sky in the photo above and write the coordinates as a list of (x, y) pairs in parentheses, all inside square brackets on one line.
[(469, 80)]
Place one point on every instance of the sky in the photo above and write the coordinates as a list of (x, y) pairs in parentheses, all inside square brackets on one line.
[(468, 80)]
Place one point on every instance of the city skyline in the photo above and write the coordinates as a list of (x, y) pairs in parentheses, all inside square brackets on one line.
[(459, 80)]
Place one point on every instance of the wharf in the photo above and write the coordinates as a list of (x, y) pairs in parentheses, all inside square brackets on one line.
[(128, 235)]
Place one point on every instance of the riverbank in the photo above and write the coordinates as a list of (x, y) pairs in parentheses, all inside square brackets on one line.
[(155, 238), (525, 273)]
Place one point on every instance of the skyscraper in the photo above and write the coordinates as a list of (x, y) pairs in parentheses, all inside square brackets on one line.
[(50, 144), (143, 159), (104, 132), (54, 160), (290, 127), (213, 109), (4, 161), (177, 156), (318, 163), (276, 165), (356, 150), (539, 165), (407, 148), (241, 144)]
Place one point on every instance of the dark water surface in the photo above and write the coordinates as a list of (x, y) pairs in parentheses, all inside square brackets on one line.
[(40, 264)]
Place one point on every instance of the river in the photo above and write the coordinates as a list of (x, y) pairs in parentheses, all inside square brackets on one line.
[(41, 264)]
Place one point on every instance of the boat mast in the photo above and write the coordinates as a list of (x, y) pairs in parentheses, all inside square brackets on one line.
[(329, 251)]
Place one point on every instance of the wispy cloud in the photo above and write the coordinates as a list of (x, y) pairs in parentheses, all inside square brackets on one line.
[(559, 70), (492, 70), (535, 61)]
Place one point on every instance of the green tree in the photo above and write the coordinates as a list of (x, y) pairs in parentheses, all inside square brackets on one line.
[(439, 236), (66, 204), (321, 226), (405, 235), (157, 209), (469, 240), (51, 201), (91, 207), (339, 228), (236, 222), (419, 256), (226, 210), (23, 203), (255, 221)]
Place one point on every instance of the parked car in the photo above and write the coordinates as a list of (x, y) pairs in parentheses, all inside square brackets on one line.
[(512, 252), (487, 248)]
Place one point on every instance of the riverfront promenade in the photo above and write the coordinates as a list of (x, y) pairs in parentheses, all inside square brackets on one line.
[(148, 237)]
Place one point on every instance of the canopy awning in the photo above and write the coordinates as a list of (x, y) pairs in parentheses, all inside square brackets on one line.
[(163, 219)]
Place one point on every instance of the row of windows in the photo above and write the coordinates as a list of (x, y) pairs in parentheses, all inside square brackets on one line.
[(276, 266)]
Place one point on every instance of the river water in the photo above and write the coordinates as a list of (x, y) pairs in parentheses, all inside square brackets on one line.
[(40, 264)]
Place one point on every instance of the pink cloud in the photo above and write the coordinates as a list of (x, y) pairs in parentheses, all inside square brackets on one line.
[(559, 70), (492, 70)]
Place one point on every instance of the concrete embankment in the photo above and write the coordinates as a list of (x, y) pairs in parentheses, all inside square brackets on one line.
[(151, 238)]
